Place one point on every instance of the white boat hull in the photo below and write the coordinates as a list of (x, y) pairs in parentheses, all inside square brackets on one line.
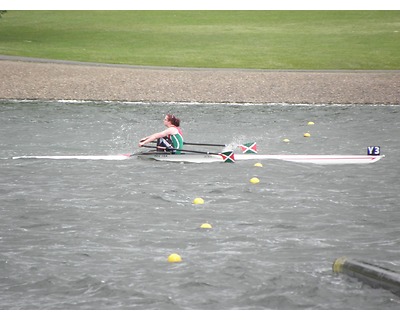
[(78, 157), (317, 159), (194, 158), (314, 159), (208, 158)]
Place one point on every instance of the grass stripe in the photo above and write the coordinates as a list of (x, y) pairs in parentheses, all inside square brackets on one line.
[(223, 39)]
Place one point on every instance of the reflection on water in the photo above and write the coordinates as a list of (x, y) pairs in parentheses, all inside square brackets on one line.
[(81, 234)]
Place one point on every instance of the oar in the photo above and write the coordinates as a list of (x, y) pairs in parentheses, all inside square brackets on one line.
[(201, 144), (249, 147), (227, 156), (205, 144)]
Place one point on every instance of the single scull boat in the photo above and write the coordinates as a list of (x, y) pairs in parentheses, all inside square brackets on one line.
[(315, 159), (207, 158), (249, 149)]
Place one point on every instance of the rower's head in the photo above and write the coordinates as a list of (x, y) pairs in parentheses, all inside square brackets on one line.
[(172, 119)]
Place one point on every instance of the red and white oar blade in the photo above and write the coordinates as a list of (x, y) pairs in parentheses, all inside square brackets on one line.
[(228, 156), (250, 147)]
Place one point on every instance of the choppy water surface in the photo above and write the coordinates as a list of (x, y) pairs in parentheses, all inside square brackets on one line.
[(79, 234)]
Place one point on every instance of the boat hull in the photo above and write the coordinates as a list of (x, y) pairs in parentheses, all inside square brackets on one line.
[(209, 158), (193, 158), (314, 159), (78, 157)]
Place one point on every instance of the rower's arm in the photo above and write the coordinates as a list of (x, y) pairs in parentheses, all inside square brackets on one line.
[(154, 136)]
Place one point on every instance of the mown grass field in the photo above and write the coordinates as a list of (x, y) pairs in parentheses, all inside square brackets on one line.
[(357, 40)]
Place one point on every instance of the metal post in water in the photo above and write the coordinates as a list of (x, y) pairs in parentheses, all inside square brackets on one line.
[(373, 275)]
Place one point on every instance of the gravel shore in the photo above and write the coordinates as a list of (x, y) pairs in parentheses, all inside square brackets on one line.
[(24, 78)]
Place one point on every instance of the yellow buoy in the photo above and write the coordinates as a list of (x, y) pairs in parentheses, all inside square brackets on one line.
[(206, 226), (258, 164), (198, 201), (254, 180), (286, 140), (174, 257), (310, 123), (307, 135)]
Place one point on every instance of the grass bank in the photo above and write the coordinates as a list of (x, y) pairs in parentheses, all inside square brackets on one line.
[(312, 40)]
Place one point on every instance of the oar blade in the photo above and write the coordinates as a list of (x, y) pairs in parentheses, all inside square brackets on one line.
[(204, 144), (250, 147), (228, 156)]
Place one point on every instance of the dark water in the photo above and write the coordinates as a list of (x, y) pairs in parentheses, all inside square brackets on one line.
[(79, 234)]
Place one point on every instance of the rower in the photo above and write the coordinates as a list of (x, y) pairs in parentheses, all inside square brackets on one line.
[(170, 139)]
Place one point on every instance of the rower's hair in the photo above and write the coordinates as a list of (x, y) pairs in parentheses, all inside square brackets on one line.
[(174, 120)]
